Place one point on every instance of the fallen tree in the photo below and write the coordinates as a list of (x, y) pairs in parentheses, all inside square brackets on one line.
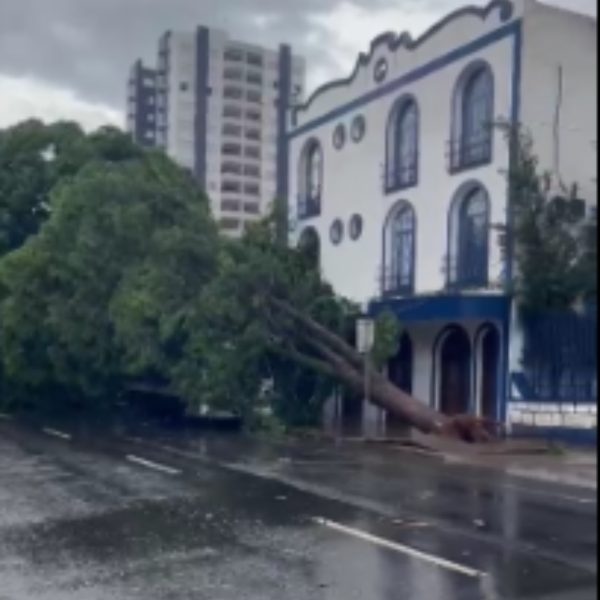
[(269, 301)]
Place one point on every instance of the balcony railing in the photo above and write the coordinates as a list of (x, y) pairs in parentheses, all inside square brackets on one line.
[(394, 283), (467, 153), (308, 207), (403, 176), (471, 272)]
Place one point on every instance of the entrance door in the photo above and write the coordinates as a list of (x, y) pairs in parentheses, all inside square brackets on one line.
[(490, 354), (400, 372), (455, 384)]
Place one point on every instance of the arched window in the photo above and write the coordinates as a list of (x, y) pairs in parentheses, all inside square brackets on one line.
[(402, 154), (310, 180), (469, 238), (399, 250), (473, 116)]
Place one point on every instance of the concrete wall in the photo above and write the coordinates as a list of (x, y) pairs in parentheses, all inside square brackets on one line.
[(559, 415)]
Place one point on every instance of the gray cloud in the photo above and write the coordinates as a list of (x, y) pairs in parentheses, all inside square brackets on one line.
[(87, 45)]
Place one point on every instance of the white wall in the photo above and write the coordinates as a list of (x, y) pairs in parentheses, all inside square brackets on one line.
[(353, 176), (552, 39), (181, 140), (182, 70)]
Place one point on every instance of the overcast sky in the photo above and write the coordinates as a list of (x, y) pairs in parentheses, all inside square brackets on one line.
[(69, 58)]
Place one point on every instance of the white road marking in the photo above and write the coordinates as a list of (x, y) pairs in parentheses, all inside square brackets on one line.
[(152, 465), (58, 434), (402, 549)]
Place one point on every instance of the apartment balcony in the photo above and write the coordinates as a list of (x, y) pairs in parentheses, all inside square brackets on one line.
[(394, 283), (470, 272), (469, 153), (308, 207), (402, 176)]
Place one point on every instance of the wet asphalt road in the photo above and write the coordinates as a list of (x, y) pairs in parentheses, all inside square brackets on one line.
[(82, 522)]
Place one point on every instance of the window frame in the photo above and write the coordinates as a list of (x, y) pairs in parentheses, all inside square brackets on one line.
[(309, 205), (463, 145), (394, 180), (460, 272), (394, 281)]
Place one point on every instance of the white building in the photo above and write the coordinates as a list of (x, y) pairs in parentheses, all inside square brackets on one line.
[(221, 108), (397, 176)]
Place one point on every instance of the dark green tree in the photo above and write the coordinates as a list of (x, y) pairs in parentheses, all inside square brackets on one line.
[(268, 317), (34, 157), (99, 295), (553, 237)]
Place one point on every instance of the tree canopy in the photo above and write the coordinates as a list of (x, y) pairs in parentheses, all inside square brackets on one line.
[(99, 295), (34, 157), (554, 237)]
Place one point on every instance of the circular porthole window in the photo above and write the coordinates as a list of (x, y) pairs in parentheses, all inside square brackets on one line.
[(339, 137), (356, 227), (336, 232), (381, 70), (359, 126)]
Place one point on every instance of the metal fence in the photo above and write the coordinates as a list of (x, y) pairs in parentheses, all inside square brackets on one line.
[(560, 355)]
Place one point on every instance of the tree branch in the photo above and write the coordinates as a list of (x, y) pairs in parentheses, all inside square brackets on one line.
[(331, 339), (307, 361)]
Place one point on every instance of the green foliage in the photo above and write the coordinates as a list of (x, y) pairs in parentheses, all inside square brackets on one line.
[(230, 354), (101, 293), (387, 334), (554, 240), (34, 157)]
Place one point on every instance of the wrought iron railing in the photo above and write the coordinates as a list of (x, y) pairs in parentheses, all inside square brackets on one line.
[(465, 153), (560, 356), (402, 176), (394, 283), (308, 207), (468, 271)]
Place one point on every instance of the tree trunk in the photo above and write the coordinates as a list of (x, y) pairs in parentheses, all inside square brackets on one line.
[(341, 359)]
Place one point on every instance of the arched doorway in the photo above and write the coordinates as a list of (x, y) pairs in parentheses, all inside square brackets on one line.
[(490, 356), (400, 373), (455, 372)]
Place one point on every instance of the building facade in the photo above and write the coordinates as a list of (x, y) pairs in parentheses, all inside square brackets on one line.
[(220, 111), (398, 179)]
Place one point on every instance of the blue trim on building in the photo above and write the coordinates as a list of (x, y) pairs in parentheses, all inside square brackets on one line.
[(445, 307), (511, 29), (517, 74), (283, 104), (202, 92), (405, 40)]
